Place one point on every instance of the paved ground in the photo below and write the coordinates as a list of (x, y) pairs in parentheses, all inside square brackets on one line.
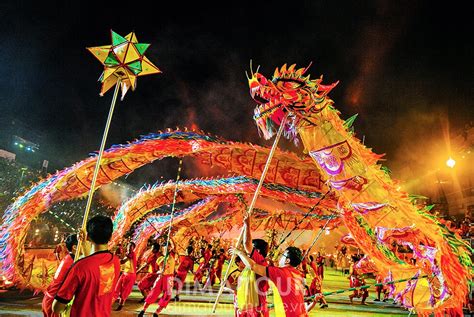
[(14, 303)]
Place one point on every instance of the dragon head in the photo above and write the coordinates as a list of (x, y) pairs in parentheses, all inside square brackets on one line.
[(289, 92)]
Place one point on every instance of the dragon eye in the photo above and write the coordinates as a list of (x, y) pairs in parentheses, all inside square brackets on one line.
[(261, 79)]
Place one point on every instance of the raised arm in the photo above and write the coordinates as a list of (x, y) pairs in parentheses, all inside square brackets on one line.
[(247, 238), (257, 268)]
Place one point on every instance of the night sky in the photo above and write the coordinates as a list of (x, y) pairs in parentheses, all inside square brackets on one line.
[(405, 66)]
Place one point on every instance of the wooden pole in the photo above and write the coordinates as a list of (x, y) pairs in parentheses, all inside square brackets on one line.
[(97, 167), (172, 213), (252, 204)]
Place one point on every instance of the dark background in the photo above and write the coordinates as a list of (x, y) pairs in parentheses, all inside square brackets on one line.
[(405, 66)]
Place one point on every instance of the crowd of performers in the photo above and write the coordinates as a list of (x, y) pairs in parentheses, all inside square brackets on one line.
[(102, 280)]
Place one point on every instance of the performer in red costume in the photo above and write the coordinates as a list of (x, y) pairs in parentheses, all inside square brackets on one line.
[(287, 279), (204, 265), (63, 268), (221, 258), (60, 251), (304, 265), (186, 263), (356, 280), (163, 284), (129, 275), (316, 290), (320, 264), (232, 283), (146, 283), (381, 289), (91, 280), (257, 250)]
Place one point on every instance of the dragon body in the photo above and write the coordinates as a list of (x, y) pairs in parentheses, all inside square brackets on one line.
[(287, 170), (369, 201)]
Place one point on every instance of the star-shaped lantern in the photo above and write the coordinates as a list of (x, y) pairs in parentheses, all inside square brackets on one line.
[(123, 62)]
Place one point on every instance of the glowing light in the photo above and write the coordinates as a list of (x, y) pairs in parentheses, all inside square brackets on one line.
[(450, 162), (327, 231), (37, 230)]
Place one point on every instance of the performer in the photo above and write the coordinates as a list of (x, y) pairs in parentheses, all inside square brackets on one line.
[(127, 279), (257, 250), (186, 263), (316, 290), (313, 265), (206, 255), (63, 268), (232, 283), (91, 280), (381, 289), (221, 258), (61, 250), (320, 264), (287, 279), (119, 251), (163, 284), (304, 265), (146, 283), (211, 271), (356, 280)]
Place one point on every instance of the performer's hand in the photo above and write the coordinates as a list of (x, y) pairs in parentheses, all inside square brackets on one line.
[(236, 251), (81, 235)]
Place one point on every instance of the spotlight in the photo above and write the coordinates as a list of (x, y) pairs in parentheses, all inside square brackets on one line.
[(450, 162)]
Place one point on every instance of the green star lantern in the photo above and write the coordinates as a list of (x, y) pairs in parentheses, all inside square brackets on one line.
[(123, 62)]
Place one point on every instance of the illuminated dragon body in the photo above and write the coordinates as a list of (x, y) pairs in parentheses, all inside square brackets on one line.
[(374, 209), (291, 176)]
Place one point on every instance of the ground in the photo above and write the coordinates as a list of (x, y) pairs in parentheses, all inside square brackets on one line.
[(14, 303)]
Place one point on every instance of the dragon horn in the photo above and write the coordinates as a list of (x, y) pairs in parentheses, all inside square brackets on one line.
[(307, 67)]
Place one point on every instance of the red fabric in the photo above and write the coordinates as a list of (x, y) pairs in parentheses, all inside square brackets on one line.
[(186, 264), (232, 279), (220, 263), (133, 257), (151, 261), (304, 266), (47, 307), (262, 283), (203, 266), (124, 286), (314, 266), (316, 285), (164, 284), (91, 281), (207, 255), (146, 283), (58, 279), (289, 282), (179, 281), (320, 263)]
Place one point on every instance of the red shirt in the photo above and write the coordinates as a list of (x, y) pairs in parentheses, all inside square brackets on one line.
[(262, 282), (91, 281), (151, 261), (207, 255), (289, 282), (130, 266), (186, 263), (60, 274)]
